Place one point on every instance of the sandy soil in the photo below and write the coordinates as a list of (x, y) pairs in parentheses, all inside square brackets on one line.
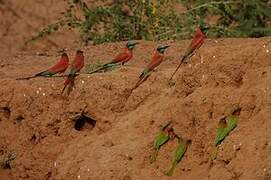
[(37, 123)]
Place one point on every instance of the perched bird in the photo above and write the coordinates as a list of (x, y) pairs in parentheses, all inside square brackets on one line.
[(157, 59), (179, 153), (59, 67), (76, 66), (161, 139), (195, 44), (121, 58), (222, 126)]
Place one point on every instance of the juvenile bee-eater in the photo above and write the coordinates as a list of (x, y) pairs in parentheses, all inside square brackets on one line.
[(232, 123), (76, 66), (161, 139), (222, 125), (157, 59), (224, 128), (59, 67), (195, 44), (121, 58), (179, 153)]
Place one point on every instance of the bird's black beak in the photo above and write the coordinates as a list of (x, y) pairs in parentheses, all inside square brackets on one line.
[(135, 43), (204, 29), (165, 47)]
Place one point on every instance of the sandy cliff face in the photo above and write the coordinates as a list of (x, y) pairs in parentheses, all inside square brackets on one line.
[(40, 124)]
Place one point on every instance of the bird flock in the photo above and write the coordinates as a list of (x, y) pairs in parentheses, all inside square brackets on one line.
[(166, 132), (123, 57)]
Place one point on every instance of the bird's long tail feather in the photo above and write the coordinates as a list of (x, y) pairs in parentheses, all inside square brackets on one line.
[(105, 66), (153, 156), (171, 170), (68, 82), (40, 74), (97, 70), (182, 60), (140, 81), (31, 77), (26, 78)]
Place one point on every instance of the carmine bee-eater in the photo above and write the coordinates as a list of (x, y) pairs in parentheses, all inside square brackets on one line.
[(195, 44), (59, 67), (179, 153), (161, 139), (76, 66), (157, 59), (121, 58)]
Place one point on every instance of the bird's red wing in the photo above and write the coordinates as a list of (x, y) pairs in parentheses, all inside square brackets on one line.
[(195, 43), (78, 63), (124, 56), (197, 40), (156, 61), (60, 67)]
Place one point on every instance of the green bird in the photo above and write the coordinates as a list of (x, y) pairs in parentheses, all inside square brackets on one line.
[(222, 125), (179, 153), (220, 135), (160, 139), (231, 124), (224, 128)]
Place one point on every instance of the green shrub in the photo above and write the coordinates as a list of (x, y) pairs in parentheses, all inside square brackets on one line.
[(160, 21)]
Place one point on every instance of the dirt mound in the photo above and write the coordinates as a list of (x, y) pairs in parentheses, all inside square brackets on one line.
[(37, 123), (21, 20)]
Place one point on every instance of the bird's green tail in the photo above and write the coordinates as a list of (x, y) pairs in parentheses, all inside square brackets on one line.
[(214, 153), (171, 77), (104, 67), (43, 73), (153, 156), (171, 170)]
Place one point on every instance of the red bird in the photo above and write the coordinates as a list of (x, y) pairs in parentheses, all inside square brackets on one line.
[(157, 59), (59, 67), (121, 58), (195, 44), (76, 66)]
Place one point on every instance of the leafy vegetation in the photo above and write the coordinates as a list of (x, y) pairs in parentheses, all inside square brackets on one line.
[(161, 20)]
